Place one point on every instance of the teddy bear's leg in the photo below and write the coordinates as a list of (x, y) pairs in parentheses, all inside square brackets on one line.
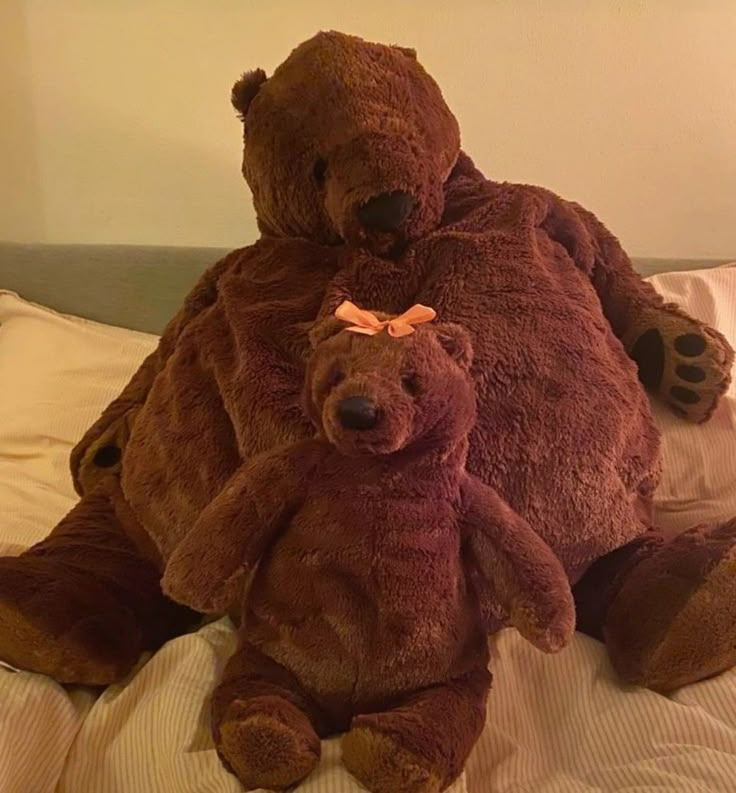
[(266, 729), (82, 605), (665, 606), (421, 745)]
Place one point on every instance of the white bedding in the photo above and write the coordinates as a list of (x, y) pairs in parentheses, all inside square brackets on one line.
[(555, 724)]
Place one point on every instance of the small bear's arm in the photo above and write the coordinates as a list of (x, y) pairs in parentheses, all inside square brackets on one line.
[(209, 566), (522, 569)]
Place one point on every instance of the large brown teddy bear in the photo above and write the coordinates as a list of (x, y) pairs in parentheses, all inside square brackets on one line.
[(362, 545), (363, 193)]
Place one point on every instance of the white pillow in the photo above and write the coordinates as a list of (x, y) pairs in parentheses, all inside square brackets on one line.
[(58, 373), (699, 478)]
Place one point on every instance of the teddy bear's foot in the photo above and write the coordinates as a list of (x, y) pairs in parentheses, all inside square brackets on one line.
[(673, 620), (63, 624), (422, 745), (687, 363), (82, 605), (267, 743), (382, 766), (265, 727)]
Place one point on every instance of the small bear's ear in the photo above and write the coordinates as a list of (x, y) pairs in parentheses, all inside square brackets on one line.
[(245, 90), (408, 51), (456, 342), (324, 329)]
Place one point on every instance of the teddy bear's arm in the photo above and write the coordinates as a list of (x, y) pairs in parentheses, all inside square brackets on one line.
[(523, 571), (684, 361), (98, 453), (209, 566)]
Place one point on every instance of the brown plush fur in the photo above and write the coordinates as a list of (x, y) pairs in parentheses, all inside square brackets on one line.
[(359, 544), (363, 193), (83, 604)]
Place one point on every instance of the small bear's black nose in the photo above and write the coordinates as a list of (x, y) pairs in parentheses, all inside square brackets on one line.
[(357, 413), (385, 212)]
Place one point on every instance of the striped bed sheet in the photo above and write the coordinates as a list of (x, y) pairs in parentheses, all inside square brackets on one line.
[(556, 724)]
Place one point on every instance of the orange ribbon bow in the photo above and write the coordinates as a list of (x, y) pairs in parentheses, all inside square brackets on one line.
[(369, 324)]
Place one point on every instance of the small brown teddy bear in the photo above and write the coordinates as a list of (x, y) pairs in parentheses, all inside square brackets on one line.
[(361, 546)]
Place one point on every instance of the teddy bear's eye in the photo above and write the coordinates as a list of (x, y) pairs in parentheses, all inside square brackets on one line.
[(410, 383), (319, 172), (335, 378)]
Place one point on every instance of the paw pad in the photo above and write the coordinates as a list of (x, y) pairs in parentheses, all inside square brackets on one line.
[(685, 395), (690, 374), (107, 456), (648, 352), (690, 345)]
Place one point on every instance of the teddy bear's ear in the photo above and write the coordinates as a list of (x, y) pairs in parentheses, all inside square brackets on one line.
[(456, 342), (408, 51), (245, 90), (324, 329)]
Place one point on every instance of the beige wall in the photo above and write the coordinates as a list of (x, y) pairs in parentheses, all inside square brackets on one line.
[(116, 125)]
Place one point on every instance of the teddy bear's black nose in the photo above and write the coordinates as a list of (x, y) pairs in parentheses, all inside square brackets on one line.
[(357, 413), (386, 212)]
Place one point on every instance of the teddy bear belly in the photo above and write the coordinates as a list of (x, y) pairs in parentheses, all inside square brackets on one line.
[(565, 432), (566, 436), (360, 626)]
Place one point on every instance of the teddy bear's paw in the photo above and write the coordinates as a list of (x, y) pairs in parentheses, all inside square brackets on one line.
[(673, 621), (268, 743), (685, 362), (382, 765), (548, 624)]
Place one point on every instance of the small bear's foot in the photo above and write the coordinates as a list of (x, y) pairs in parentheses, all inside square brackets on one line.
[(684, 361), (382, 765), (421, 745), (267, 743), (673, 621)]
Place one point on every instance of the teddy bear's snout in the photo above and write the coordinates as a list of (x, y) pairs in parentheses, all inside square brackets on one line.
[(386, 211), (357, 413)]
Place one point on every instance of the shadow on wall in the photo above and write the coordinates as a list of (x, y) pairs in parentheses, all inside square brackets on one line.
[(21, 197)]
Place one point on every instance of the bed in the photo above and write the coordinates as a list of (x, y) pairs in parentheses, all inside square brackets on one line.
[(75, 321)]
